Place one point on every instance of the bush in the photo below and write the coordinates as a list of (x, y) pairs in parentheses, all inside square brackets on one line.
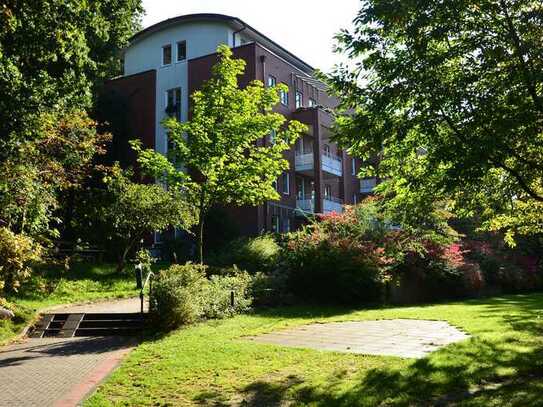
[(17, 253), (255, 255), (218, 292), (183, 294), (177, 295), (271, 289)]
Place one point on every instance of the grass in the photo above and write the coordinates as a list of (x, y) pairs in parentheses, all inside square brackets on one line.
[(54, 286), (211, 365)]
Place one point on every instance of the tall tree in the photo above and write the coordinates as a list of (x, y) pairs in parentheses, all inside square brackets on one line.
[(221, 145), (52, 54), (449, 94)]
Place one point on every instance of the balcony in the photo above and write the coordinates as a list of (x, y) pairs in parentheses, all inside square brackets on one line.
[(306, 203), (329, 163), (304, 162), (331, 204), (367, 185), (332, 164)]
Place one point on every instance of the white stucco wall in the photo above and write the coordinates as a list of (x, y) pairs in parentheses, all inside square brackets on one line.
[(202, 38)]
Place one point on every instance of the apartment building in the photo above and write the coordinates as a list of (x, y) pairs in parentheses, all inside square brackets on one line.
[(167, 62)]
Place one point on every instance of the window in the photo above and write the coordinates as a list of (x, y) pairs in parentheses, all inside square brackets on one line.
[(181, 51), (271, 81), (283, 96), (286, 183), (312, 102), (173, 103), (326, 149), (274, 184), (353, 166), (355, 198), (327, 191), (166, 55), (299, 99), (367, 185), (286, 225), (275, 223)]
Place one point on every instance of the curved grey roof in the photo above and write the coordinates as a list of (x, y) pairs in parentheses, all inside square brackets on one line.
[(236, 23)]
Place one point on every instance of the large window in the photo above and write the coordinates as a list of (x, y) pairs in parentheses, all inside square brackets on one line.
[(181, 51), (272, 81), (286, 183), (327, 191), (283, 96), (173, 103), (299, 99), (166, 55)]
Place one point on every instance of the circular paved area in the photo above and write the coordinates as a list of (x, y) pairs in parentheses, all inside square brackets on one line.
[(408, 338)]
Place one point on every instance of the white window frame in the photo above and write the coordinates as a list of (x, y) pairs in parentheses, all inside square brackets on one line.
[(299, 99), (162, 55), (327, 191), (272, 81), (177, 51), (286, 185), (353, 165), (284, 97), (312, 102), (178, 117)]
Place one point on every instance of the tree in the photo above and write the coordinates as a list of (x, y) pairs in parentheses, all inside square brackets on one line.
[(43, 170), (449, 95), (136, 209), (53, 54), (222, 144)]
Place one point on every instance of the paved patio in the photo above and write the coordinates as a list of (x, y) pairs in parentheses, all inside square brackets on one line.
[(407, 338)]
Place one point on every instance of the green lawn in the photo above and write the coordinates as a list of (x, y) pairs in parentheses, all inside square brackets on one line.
[(54, 286), (210, 364)]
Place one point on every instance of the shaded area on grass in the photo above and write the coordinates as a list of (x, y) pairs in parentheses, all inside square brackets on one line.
[(210, 364)]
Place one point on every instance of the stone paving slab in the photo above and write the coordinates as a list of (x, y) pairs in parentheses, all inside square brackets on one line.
[(56, 371), (408, 338), (118, 306)]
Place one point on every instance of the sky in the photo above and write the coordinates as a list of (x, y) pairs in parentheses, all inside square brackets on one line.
[(304, 27)]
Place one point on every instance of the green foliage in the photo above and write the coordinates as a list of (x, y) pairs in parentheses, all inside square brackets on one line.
[(17, 253), (182, 295), (217, 294), (449, 96), (219, 144), (40, 174), (137, 209), (177, 295), (53, 53), (259, 254)]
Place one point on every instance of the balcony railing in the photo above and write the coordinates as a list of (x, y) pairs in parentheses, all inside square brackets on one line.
[(306, 203), (367, 185), (332, 164), (304, 162), (332, 204)]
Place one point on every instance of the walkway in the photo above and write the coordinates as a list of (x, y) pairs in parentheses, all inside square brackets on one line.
[(60, 372), (408, 338)]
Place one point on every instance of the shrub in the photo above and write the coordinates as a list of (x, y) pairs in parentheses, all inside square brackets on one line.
[(217, 294), (177, 295), (183, 294), (258, 254), (271, 289), (17, 253)]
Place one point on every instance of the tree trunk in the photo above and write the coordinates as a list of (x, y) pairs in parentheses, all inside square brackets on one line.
[(201, 216), (122, 258)]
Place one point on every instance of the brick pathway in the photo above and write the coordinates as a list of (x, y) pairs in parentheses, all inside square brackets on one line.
[(408, 338), (55, 372), (59, 372)]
